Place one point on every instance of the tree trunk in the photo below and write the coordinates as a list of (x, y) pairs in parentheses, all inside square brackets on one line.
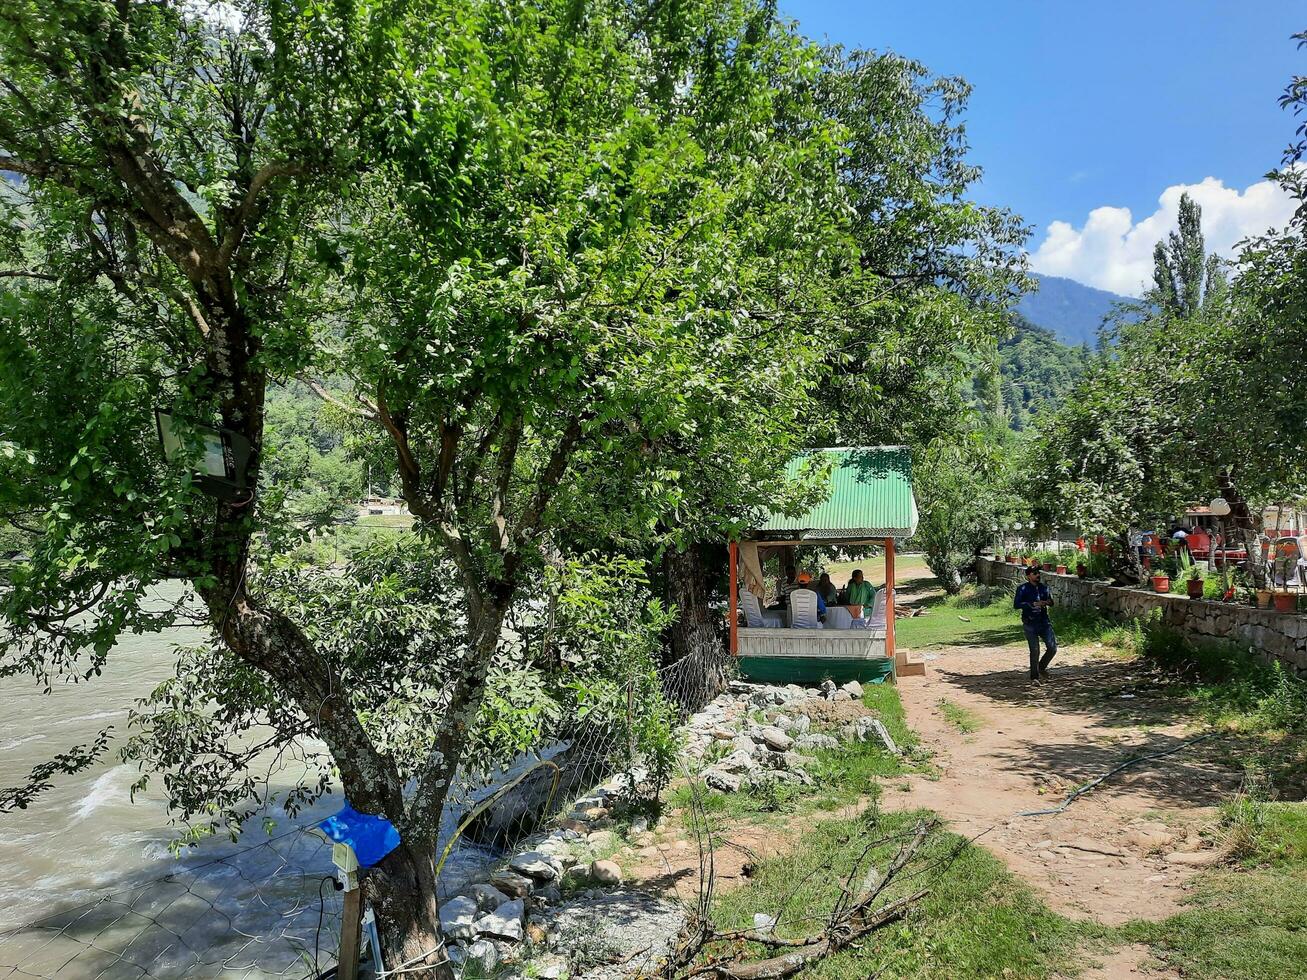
[(402, 892), (700, 660)]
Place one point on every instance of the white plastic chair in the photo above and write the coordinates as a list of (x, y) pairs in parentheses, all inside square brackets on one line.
[(803, 610), (838, 618), (877, 619), (754, 617)]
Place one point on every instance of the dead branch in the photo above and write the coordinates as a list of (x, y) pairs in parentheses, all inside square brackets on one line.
[(857, 912)]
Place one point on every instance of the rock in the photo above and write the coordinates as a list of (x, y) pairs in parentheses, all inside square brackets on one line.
[(775, 739), (482, 953), (639, 825), (783, 722), (721, 780), (722, 734), (594, 812), (456, 917), (601, 839), (764, 923), (817, 741), (575, 823), (853, 689), (737, 762), (743, 743), (793, 760), (801, 725), (505, 922), (536, 865), (841, 696), (605, 872), (550, 895), (487, 897), (827, 688), (512, 884), (1194, 859)]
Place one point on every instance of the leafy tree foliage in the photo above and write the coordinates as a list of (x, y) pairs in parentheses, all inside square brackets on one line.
[(550, 257)]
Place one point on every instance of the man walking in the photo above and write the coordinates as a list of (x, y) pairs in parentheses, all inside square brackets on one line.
[(1033, 599)]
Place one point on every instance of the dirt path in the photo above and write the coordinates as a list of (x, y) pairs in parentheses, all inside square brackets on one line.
[(1126, 850)]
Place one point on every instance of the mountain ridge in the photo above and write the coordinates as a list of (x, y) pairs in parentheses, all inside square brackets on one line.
[(1072, 311)]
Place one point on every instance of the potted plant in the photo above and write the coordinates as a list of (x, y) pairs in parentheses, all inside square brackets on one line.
[(1082, 570), (1193, 582), (1161, 583), (1284, 566), (1049, 566), (1061, 569)]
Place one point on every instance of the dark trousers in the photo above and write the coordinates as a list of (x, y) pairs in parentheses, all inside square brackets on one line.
[(1034, 632)]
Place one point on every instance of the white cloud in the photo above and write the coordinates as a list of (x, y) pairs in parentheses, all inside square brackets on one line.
[(1113, 251)]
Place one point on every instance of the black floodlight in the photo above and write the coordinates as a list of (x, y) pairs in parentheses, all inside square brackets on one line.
[(223, 461)]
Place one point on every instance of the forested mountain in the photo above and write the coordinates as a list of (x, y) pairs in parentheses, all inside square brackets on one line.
[(1036, 370), (1071, 310)]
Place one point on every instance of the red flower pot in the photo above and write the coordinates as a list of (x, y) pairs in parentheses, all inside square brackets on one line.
[(1195, 588), (1082, 570), (1286, 602), (1049, 566), (1061, 569), (1161, 583)]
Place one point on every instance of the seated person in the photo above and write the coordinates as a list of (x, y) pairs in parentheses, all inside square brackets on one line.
[(861, 592), (826, 589), (786, 585), (804, 581)]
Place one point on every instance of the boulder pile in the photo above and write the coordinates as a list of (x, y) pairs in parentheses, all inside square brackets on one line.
[(562, 891)]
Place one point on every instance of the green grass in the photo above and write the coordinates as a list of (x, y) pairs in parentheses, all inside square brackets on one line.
[(977, 921), (1237, 925), (963, 719), (1248, 924), (978, 616)]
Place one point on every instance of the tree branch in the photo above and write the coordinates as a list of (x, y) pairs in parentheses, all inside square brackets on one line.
[(244, 212)]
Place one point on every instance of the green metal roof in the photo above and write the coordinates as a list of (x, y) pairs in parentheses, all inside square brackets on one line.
[(870, 497)]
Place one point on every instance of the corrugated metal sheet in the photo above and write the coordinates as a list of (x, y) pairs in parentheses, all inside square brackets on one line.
[(870, 496)]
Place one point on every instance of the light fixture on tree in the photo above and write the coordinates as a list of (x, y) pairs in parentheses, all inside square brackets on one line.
[(224, 456)]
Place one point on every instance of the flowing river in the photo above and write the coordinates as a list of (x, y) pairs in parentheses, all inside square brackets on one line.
[(89, 885)]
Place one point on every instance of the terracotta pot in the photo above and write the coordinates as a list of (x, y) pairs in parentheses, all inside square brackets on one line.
[(1049, 566), (1082, 570), (1161, 583), (1195, 588), (1286, 602), (1264, 597), (1061, 569)]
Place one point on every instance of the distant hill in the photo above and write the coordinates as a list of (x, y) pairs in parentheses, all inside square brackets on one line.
[(1072, 310), (1036, 371)]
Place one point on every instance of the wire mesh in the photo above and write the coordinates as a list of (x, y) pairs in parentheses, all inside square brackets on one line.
[(272, 910), (267, 911)]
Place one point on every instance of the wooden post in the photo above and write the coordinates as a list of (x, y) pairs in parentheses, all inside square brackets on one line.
[(889, 597), (351, 931), (735, 601)]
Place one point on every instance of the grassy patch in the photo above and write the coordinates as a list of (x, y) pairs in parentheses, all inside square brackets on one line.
[(963, 719), (977, 921), (1237, 925)]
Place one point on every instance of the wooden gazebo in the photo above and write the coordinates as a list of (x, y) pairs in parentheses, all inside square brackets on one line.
[(869, 501)]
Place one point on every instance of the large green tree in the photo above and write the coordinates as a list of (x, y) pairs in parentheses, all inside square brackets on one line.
[(548, 255)]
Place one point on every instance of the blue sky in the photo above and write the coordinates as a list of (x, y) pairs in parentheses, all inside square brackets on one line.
[(1085, 114)]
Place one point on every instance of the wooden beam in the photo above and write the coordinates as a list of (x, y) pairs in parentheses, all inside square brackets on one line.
[(734, 605), (889, 598)]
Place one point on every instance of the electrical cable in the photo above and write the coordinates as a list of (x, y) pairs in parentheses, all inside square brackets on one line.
[(1112, 772)]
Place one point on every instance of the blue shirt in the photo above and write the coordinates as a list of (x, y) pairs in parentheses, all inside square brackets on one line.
[(1027, 593)]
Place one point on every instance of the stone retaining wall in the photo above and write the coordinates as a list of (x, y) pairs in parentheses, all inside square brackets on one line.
[(1266, 633)]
